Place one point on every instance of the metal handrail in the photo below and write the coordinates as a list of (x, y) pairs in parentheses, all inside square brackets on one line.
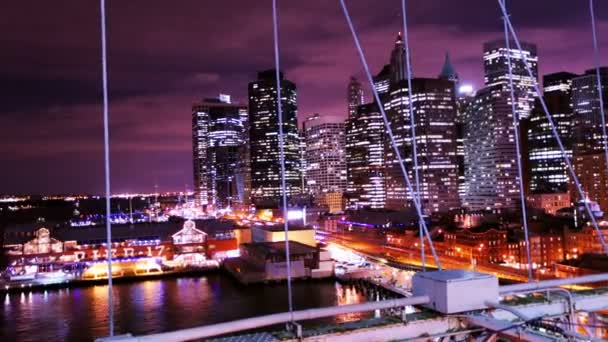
[(264, 321)]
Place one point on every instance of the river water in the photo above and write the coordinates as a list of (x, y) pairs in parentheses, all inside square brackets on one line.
[(81, 314)]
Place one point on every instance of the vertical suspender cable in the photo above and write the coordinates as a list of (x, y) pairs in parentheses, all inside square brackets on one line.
[(389, 130), (408, 66), (596, 59), (554, 130), (282, 153), (106, 157), (524, 215)]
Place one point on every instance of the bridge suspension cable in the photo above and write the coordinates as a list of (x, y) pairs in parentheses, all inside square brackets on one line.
[(408, 66), (389, 131), (515, 116), (553, 128), (106, 159), (282, 153), (596, 60)]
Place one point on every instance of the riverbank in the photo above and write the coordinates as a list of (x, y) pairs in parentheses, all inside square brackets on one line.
[(46, 284)]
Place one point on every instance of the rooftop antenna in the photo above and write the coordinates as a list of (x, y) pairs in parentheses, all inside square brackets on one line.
[(155, 193), (131, 208)]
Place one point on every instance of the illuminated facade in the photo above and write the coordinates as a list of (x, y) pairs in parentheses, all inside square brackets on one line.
[(490, 152), (585, 240), (325, 158), (382, 81), (490, 158), (37, 249), (464, 98), (365, 158), (354, 95), (548, 172), (588, 150), (264, 140), (494, 246), (549, 202), (220, 144), (496, 71), (435, 116)]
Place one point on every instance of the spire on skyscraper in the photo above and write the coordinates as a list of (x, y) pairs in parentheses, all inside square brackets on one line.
[(398, 69), (447, 71), (399, 39)]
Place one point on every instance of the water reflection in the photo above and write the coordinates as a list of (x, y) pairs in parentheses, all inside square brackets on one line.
[(81, 314), (348, 294)]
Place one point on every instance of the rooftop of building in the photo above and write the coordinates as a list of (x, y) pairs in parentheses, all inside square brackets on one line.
[(279, 227), (500, 43), (381, 216), (163, 231), (278, 248), (595, 262), (448, 276)]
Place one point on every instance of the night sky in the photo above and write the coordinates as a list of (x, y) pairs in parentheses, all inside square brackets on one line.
[(164, 55)]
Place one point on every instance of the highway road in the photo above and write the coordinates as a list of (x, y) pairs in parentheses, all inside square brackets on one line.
[(376, 247)]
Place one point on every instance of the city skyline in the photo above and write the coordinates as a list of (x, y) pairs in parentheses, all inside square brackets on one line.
[(52, 85)]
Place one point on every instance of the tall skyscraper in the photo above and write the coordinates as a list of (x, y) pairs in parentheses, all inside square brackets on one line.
[(490, 152), (354, 95), (365, 158), (325, 157), (491, 174), (464, 99), (311, 120), (496, 70), (264, 140), (589, 158), (435, 114), (548, 172), (219, 137)]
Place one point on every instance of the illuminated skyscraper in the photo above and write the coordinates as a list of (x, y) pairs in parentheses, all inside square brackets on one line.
[(435, 115), (264, 140), (490, 152), (496, 70), (464, 97), (325, 157), (365, 158), (548, 173), (589, 158), (354, 95), (219, 136), (491, 175)]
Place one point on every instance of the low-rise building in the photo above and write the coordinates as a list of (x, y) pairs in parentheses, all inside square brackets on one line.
[(482, 244), (586, 264), (45, 248), (550, 203), (584, 240), (267, 261)]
